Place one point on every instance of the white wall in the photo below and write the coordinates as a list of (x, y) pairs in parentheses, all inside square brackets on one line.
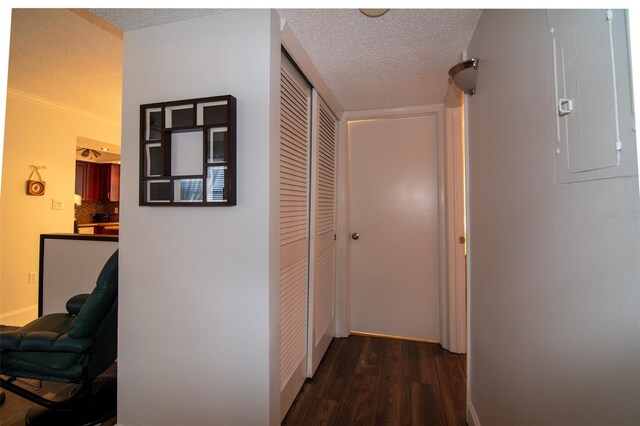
[(555, 318), (198, 338), (43, 133)]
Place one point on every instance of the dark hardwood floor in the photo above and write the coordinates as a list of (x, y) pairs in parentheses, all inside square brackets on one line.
[(366, 380), (361, 381)]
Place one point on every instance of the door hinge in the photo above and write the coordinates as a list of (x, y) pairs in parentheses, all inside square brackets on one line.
[(462, 239)]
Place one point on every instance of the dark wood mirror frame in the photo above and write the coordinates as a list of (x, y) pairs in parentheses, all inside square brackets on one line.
[(160, 123)]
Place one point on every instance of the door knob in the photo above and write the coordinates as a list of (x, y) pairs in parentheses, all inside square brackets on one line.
[(355, 236)]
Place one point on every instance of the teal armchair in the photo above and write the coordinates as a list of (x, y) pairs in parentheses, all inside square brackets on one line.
[(72, 347)]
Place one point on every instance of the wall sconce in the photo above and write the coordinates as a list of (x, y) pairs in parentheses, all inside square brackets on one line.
[(465, 74)]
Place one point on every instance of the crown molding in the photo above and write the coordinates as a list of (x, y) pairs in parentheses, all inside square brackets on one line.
[(28, 97), (396, 112)]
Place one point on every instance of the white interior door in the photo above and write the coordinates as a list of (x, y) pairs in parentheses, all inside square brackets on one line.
[(295, 135), (394, 209), (322, 272)]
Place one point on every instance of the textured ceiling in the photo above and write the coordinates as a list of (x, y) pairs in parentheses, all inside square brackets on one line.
[(399, 59), (68, 58), (134, 19)]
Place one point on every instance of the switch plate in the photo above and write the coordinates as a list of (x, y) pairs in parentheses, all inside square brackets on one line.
[(33, 278), (57, 204)]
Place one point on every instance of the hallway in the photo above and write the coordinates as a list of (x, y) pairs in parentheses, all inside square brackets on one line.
[(366, 380)]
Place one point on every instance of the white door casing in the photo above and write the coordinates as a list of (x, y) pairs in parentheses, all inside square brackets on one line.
[(394, 207), (295, 104), (453, 323), (322, 270)]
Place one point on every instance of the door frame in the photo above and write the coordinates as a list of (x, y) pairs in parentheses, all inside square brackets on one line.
[(454, 327), (343, 285)]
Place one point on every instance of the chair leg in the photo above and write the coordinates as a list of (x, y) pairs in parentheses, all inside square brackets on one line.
[(102, 408)]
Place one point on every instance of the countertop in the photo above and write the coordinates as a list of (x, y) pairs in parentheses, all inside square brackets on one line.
[(85, 225), (88, 237)]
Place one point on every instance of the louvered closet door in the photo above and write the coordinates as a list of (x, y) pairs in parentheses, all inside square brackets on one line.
[(322, 274), (295, 111)]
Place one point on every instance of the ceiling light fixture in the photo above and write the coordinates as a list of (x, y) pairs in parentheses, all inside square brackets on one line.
[(86, 152), (465, 75), (373, 13)]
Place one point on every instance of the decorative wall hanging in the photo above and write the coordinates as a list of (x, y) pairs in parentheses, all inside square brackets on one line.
[(188, 152), (35, 186)]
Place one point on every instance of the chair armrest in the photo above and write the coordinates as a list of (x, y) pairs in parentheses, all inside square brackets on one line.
[(10, 339), (44, 341), (76, 303)]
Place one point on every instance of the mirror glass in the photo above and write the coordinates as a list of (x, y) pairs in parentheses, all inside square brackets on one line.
[(186, 153), (179, 116), (154, 124), (217, 147), (188, 190), (216, 188), (158, 191), (154, 159)]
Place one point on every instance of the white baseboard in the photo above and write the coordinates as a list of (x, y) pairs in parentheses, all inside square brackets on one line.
[(20, 316), (472, 417)]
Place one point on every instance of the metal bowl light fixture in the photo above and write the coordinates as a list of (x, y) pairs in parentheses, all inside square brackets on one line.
[(373, 13), (465, 74)]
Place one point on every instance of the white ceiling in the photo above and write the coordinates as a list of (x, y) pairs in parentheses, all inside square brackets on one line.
[(134, 19), (65, 57), (399, 59)]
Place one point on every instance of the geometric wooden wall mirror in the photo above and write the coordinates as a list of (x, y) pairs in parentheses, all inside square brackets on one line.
[(188, 152)]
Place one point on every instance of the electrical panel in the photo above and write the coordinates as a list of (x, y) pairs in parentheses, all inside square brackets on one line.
[(595, 133)]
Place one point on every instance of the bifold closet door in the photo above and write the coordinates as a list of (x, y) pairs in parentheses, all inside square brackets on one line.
[(295, 136), (322, 273)]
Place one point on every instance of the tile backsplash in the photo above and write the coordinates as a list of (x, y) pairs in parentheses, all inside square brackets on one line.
[(84, 212)]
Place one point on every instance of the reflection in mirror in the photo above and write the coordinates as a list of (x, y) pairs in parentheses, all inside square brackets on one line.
[(153, 131), (159, 191), (179, 116), (186, 153), (154, 159), (188, 190), (211, 113), (216, 189), (217, 151)]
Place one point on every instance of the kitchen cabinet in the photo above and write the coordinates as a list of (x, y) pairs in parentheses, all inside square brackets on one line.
[(81, 179), (97, 182), (88, 180), (99, 228), (110, 182)]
